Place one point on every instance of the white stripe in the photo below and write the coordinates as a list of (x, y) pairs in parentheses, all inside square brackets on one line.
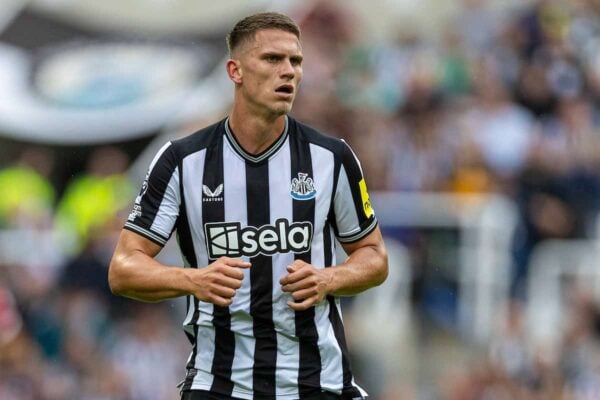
[(335, 377), (359, 235), (281, 206), (345, 211), (332, 376), (322, 165), (333, 248), (192, 172), (168, 210), (331, 354), (190, 311), (146, 232), (234, 192)]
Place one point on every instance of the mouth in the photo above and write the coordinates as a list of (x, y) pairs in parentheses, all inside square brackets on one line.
[(285, 89)]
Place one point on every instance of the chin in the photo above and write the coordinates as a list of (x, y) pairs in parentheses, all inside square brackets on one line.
[(282, 110)]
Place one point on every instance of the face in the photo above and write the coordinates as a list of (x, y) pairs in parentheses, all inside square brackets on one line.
[(267, 72)]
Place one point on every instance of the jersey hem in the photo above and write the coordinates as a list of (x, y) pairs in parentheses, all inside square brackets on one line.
[(250, 395), (145, 233), (359, 235)]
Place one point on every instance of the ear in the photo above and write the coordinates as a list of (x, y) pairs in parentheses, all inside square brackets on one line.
[(234, 70)]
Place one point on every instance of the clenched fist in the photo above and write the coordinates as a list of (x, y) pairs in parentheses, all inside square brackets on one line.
[(307, 284), (217, 283)]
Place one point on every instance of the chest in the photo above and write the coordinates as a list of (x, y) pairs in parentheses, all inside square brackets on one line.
[(243, 208)]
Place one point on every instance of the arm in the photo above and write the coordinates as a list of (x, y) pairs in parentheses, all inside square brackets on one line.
[(134, 273), (366, 267)]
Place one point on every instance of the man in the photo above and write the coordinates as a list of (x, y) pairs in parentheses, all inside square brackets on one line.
[(256, 200)]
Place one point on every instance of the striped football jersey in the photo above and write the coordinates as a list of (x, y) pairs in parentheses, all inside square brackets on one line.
[(289, 202)]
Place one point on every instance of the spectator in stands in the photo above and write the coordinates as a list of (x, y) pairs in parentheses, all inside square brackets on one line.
[(95, 198), (27, 195)]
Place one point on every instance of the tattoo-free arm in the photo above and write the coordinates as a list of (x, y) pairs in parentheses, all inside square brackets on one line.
[(365, 267), (134, 273)]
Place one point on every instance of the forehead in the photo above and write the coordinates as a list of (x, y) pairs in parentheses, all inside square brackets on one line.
[(274, 40)]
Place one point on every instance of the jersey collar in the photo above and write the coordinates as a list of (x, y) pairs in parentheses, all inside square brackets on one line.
[(256, 158)]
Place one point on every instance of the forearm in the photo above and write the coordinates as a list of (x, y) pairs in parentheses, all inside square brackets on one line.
[(365, 268), (138, 276)]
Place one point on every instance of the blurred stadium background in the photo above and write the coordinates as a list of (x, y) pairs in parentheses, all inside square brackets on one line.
[(478, 125)]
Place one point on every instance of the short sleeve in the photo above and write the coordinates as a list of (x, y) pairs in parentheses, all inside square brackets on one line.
[(156, 208), (354, 215)]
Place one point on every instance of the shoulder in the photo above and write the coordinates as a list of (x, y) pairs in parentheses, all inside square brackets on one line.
[(313, 136), (340, 149), (197, 141)]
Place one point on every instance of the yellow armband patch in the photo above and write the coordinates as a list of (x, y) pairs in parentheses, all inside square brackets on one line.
[(364, 196)]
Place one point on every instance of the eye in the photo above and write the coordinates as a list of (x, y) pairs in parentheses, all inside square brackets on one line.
[(272, 58)]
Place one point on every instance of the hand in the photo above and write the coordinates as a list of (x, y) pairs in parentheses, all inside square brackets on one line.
[(217, 283), (307, 284)]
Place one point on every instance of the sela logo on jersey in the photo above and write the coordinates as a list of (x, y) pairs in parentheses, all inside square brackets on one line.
[(303, 187), (231, 240), (209, 195)]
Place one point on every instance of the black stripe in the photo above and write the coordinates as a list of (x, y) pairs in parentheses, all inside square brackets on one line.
[(154, 187), (261, 284), (354, 175), (327, 245), (193, 338), (214, 211), (189, 378), (186, 245), (148, 234), (203, 395), (184, 233), (348, 391), (309, 373), (366, 228), (337, 166)]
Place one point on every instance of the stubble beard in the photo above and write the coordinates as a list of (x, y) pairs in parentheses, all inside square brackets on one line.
[(280, 110)]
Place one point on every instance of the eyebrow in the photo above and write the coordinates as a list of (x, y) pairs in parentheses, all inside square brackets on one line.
[(295, 57)]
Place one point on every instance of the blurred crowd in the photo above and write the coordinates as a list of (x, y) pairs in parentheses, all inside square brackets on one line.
[(503, 100), (63, 335)]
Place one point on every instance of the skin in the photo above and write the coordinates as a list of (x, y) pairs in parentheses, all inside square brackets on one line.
[(257, 68)]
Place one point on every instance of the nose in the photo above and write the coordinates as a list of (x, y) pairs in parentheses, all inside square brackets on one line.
[(287, 69)]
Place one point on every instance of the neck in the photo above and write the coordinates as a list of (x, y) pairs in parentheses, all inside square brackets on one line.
[(253, 132)]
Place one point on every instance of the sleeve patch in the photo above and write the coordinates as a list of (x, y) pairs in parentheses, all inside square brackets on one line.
[(364, 196)]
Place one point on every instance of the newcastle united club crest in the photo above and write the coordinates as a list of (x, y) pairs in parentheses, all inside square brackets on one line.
[(303, 187)]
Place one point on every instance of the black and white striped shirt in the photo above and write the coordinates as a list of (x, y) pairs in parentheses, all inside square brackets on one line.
[(283, 204)]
